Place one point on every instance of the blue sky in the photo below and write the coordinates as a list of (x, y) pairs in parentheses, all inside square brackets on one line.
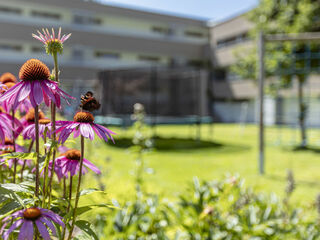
[(210, 9)]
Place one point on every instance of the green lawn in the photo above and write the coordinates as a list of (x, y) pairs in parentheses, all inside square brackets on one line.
[(237, 154)]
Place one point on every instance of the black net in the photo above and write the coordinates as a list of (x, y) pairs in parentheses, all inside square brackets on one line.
[(163, 91)]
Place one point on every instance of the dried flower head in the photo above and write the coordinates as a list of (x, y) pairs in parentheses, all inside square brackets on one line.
[(290, 182), (53, 43), (138, 108), (89, 103)]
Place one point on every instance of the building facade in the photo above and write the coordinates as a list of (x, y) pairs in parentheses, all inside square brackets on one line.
[(106, 37), (103, 37), (235, 99)]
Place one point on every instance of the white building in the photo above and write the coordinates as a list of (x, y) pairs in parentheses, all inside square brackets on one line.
[(103, 37)]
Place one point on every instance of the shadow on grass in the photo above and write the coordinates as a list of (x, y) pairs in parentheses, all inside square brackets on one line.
[(177, 144), (298, 182), (304, 149)]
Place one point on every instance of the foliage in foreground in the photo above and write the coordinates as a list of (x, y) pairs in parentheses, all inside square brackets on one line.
[(212, 210)]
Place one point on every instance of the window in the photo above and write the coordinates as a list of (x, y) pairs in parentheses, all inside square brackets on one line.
[(49, 15), (87, 20), (194, 34), (37, 49), (219, 74), (232, 40), (10, 10), (198, 63), (111, 55), (9, 47), (161, 30), (232, 76), (148, 58), (78, 54)]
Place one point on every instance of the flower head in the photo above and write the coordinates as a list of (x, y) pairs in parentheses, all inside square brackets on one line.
[(29, 218), (44, 129), (29, 117), (83, 123), (8, 77), (7, 146), (53, 43), (69, 163), (35, 85)]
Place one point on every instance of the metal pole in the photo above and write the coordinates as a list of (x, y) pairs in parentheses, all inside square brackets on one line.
[(153, 110), (261, 103)]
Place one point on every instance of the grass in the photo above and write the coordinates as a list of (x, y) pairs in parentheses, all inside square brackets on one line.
[(228, 148)]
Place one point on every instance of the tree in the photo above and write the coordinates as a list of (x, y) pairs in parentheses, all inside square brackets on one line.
[(281, 16)]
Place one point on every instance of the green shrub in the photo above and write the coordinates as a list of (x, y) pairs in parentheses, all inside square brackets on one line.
[(143, 219), (227, 210), (213, 210)]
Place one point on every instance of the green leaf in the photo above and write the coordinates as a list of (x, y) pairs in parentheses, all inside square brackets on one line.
[(29, 156), (7, 193), (84, 209), (88, 191), (17, 188), (85, 226), (8, 207)]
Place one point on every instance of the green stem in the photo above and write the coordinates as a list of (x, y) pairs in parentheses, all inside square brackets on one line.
[(1, 175), (36, 116), (24, 161), (70, 194), (69, 204), (78, 190), (53, 127), (45, 179), (64, 188)]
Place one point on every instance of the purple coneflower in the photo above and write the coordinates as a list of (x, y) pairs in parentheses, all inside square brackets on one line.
[(44, 126), (41, 218), (52, 42), (29, 118), (83, 123), (69, 162), (35, 85)]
